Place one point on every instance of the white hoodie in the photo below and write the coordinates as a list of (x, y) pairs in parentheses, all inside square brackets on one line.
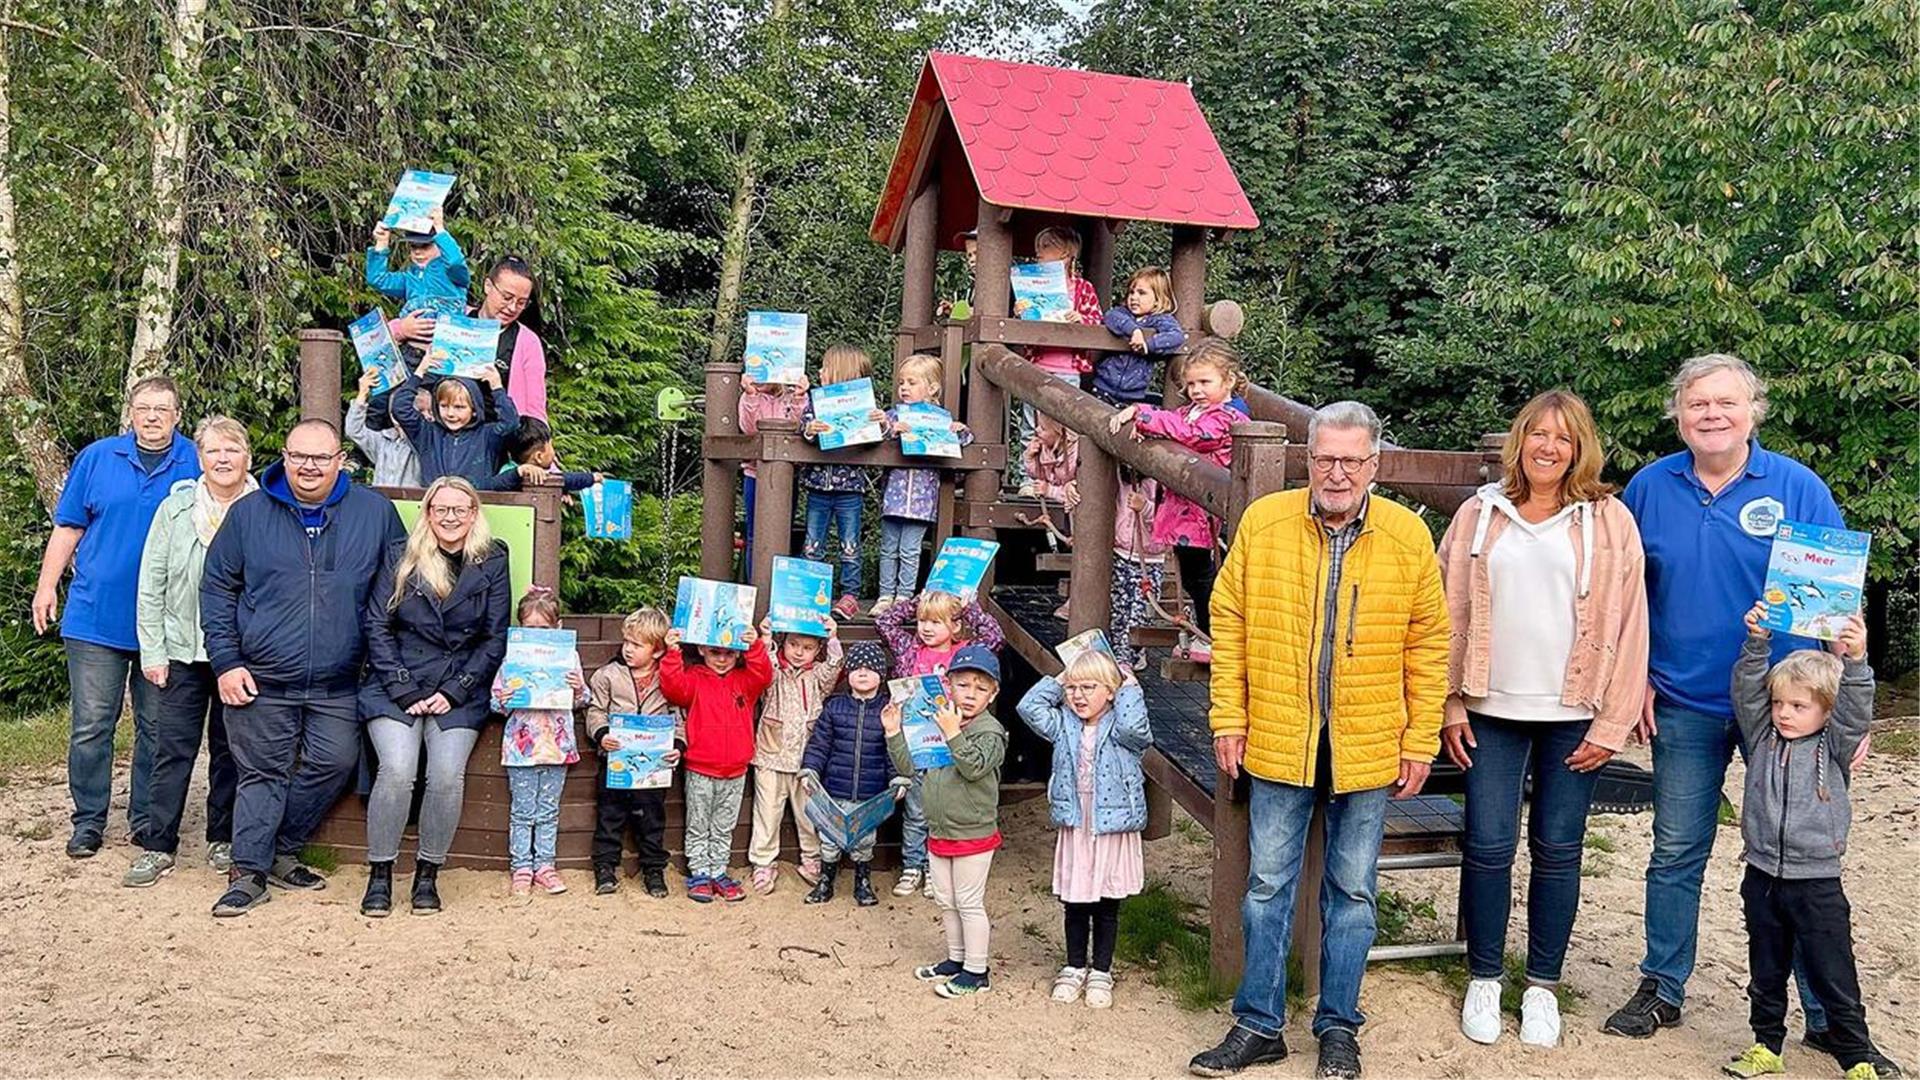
[(1534, 582)]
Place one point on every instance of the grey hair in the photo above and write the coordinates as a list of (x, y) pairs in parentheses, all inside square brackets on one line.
[(225, 426), (1345, 414), (1700, 367)]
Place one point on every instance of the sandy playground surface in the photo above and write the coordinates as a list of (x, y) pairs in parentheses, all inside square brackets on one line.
[(102, 980)]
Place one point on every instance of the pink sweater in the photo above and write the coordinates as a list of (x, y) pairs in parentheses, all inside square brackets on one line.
[(758, 406), (527, 377)]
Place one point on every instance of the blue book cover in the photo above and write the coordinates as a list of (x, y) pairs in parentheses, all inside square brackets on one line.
[(1040, 292), (920, 698), (713, 612), (961, 565), (801, 596), (846, 828), (847, 408), (1094, 640), (534, 673), (463, 346), (608, 506), (926, 430), (641, 761), (414, 197), (1814, 579), (776, 347), (375, 345)]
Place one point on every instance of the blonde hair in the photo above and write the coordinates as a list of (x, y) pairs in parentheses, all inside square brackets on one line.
[(940, 607), (1059, 236), (843, 363), (1092, 665), (923, 367), (1160, 284), (1816, 669), (1217, 354), (648, 624), (423, 561), (226, 427), (538, 600), (1582, 482)]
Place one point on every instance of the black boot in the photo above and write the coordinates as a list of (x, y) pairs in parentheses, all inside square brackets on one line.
[(863, 885), (823, 889), (426, 892), (378, 903)]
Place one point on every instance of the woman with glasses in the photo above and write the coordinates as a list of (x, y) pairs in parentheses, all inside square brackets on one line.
[(436, 626)]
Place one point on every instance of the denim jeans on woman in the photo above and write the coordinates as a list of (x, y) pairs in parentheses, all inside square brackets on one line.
[(97, 677), (398, 745), (1278, 816), (840, 510), (1506, 752), (533, 823), (189, 709)]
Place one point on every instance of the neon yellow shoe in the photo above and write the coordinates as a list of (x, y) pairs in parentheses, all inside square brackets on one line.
[(1863, 1071), (1758, 1061)]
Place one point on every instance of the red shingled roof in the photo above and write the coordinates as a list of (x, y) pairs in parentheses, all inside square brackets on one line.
[(1061, 141)]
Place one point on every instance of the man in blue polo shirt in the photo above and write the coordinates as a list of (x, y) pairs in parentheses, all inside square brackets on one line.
[(100, 526), (1707, 517)]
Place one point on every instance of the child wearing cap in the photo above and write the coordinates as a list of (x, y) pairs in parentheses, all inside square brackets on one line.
[(846, 760), (435, 278), (962, 804), (805, 667)]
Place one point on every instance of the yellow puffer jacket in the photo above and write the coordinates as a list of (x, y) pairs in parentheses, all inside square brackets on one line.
[(1390, 670)]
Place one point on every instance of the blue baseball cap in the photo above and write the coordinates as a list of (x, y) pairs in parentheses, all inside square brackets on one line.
[(975, 658)]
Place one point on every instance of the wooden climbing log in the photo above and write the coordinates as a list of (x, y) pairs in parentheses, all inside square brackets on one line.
[(718, 477), (1439, 479), (1099, 258), (922, 250), (773, 494), (1089, 604), (320, 375), (986, 411)]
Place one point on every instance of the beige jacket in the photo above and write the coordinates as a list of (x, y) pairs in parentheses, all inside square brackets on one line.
[(790, 706), (615, 690), (1608, 669)]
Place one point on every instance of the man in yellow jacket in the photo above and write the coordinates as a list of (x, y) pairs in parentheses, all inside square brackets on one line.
[(1329, 677)]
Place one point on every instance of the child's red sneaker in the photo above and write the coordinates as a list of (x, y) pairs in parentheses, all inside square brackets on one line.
[(700, 890), (728, 889), (847, 607)]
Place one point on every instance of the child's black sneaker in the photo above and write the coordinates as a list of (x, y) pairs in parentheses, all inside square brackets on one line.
[(606, 878), (967, 982), (945, 969), (656, 882)]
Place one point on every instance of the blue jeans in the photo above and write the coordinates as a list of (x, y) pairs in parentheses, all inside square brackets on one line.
[(841, 509), (189, 708), (913, 826), (1690, 757), (293, 758), (97, 680), (900, 540), (1278, 818), (1556, 831), (534, 814)]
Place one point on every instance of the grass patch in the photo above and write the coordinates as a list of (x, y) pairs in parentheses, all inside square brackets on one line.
[(1898, 742), (321, 857), (1729, 817), (39, 830), (1599, 841), (1453, 971), (1397, 914), (39, 740), (1159, 933)]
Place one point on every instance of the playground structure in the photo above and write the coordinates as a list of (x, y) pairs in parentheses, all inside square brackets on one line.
[(1004, 150)]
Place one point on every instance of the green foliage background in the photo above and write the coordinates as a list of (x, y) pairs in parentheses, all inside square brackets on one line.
[(1463, 202)]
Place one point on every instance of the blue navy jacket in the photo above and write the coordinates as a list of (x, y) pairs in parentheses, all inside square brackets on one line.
[(848, 749), (425, 645), (1126, 375), (474, 452), (1119, 785), (509, 479), (284, 585)]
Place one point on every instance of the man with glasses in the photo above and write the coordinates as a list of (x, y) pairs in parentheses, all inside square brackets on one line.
[(100, 527), (285, 587), (1329, 676)]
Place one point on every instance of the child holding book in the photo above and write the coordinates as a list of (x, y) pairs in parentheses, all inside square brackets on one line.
[(763, 401), (1801, 723), (536, 746), (1152, 334), (1096, 719), (1204, 425), (963, 808), (909, 500), (719, 695), (454, 438), (847, 760), (434, 279), (1062, 245), (370, 426), (1139, 566), (836, 494), (805, 669), (941, 625), (630, 684), (531, 460)]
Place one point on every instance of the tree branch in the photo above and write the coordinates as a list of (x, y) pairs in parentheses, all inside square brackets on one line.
[(338, 31), (133, 91)]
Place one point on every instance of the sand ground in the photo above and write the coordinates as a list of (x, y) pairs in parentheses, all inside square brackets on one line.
[(102, 980)]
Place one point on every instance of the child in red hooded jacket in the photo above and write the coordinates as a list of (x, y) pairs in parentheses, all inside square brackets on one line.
[(719, 695)]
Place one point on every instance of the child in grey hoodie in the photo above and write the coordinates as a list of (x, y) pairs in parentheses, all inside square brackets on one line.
[(1801, 722)]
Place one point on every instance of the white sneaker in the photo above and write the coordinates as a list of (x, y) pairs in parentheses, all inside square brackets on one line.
[(1099, 989), (1539, 1017), (1480, 1016), (909, 882), (1068, 984)]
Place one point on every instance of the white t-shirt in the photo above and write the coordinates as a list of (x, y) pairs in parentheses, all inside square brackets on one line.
[(1532, 575)]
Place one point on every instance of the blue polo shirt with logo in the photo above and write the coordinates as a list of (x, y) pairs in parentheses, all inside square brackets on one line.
[(113, 498), (1707, 562)]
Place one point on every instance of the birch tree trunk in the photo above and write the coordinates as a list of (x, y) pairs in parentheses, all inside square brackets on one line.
[(160, 279), (733, 252), (26, 414)]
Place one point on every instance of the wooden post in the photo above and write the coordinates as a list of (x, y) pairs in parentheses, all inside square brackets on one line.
[(1492, 445), (953, 344), (1259, 459), (1099, 260), (986, 404), (772, 507), (546, 535), (320, 375), (922, 249), (1189, 273), (718, 478), (1090, 600)]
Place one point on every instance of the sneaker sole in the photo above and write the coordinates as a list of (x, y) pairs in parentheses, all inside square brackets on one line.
[(227, 911), (605, 890), (946, 990), (376, 913), (132, 884), (424, 911), (283, 883), (1611, 1029)]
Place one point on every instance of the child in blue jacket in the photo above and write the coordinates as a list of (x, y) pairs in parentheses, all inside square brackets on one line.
[(1146, 321), (847, 760), (531, 460), (1096, 718), (435, 278), (456, 440)]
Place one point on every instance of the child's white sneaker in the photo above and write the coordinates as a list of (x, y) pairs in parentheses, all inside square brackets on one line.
[(909, 882), (1480, 1016), (1539, 1017), (1099, 989), (1068, 984), (881, 605)]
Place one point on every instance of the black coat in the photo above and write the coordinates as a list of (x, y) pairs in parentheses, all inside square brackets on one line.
[(425, 646)]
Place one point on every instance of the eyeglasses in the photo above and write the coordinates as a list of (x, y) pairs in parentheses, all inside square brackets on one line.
[(300, 461), (1326, 466), (152, 410), (1082, 689), (456, 513)]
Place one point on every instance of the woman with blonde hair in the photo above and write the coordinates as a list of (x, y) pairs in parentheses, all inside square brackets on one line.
[(1547, 665), (436, 627)]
